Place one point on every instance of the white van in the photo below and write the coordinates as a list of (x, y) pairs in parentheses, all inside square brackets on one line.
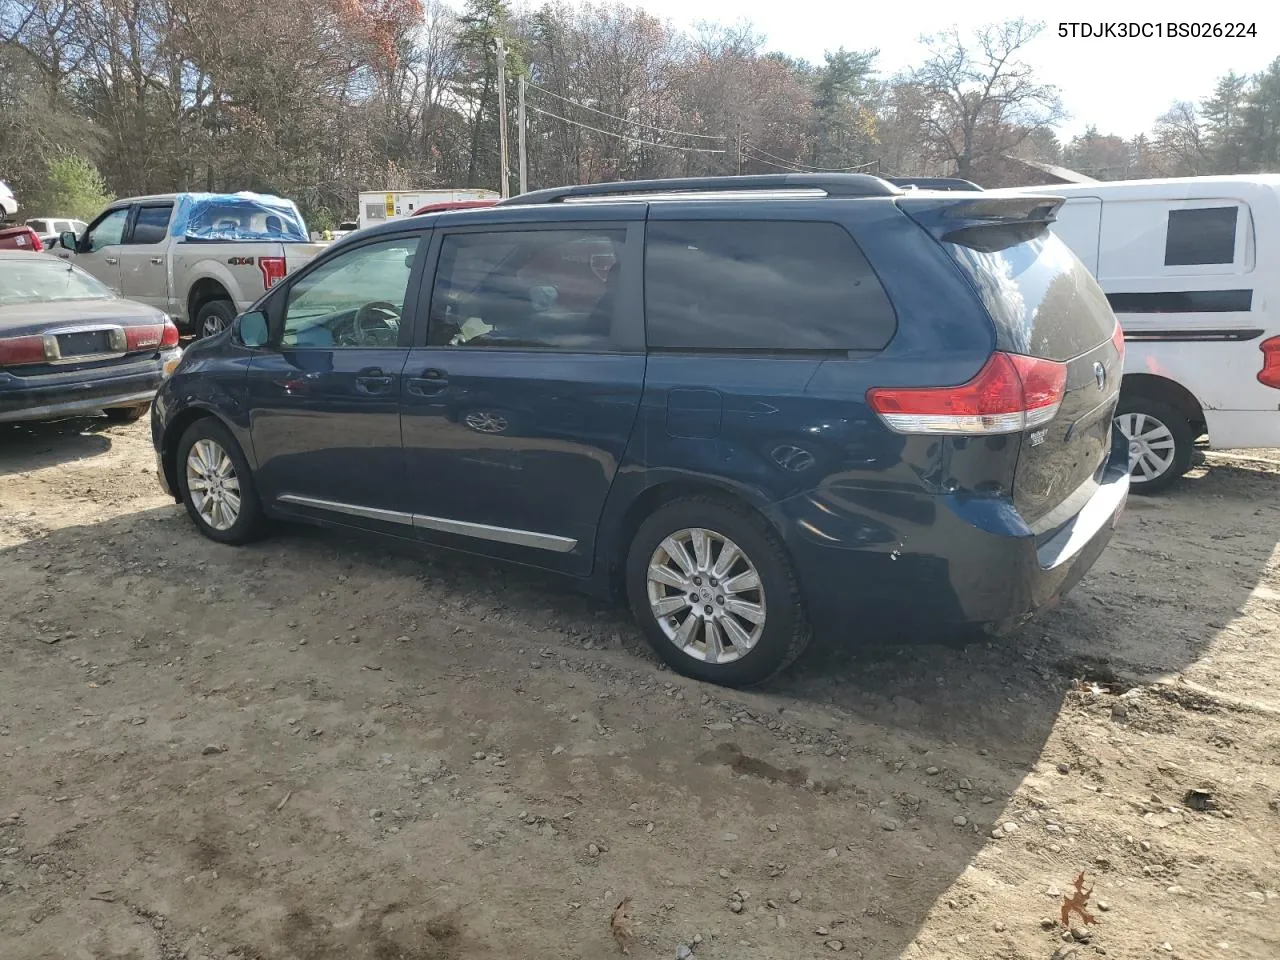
[(1192, 269)]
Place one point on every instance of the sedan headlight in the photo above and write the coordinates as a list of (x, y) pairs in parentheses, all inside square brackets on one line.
[(170, 360)]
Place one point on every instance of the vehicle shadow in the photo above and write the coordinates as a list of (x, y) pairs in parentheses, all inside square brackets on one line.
[(978, 715), (31, 446)]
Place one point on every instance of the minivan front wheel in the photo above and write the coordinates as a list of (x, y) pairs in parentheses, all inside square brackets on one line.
[(216, 485), (1160, 440), (712, 587)]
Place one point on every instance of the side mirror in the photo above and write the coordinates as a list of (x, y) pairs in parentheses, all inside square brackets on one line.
[(67, 240), (251, 329)]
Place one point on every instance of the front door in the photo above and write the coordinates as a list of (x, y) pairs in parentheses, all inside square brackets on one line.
[(324, 401), (517, 410), (98, 251), (144, 275)]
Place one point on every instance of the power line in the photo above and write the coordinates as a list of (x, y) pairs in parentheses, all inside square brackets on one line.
[(620, 136), (634, 123), (798, 167)]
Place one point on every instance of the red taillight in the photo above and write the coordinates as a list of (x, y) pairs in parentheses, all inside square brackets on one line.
[(146, 337), (1118, 339), (1011, 393), (1269, 375), (272, 270), (151, 336), (170, 336), (36, 244), (16, 351)]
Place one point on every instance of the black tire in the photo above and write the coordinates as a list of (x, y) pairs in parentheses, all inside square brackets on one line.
[(250, 523), (214, 317), (126, 414), (1179, 430), (785, 633)]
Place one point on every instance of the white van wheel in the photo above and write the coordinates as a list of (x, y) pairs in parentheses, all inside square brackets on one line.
[(1160, 442)]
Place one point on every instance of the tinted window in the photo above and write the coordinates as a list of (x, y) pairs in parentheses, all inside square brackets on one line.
[(152, 223), (1207, 235), (1044, 301), (761, 285), (108, 231), (39, 226), (354, 300), (531, 288)]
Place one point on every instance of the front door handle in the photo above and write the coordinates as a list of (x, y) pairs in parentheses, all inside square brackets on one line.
[(431, 381), (110, 260), (157, 260), (372, 380)]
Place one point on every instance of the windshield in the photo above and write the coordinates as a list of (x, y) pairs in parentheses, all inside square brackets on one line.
[(38, 280)]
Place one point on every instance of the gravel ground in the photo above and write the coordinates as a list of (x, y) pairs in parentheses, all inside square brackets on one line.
[(325, 748)]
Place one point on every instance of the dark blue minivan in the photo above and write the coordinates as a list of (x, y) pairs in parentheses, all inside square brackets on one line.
[(756, 406)]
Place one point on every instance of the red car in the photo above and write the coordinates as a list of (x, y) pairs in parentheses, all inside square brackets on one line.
[(20, 238), (452, 205)]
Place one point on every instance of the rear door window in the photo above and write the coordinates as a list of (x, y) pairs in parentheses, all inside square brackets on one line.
[(151, 224), (761, 285)]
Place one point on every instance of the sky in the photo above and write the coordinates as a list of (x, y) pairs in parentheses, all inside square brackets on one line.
[(1119, 85)]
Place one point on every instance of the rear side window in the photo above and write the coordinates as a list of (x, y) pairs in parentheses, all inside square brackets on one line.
[(761, 285), (152, 224), (1201, 236), (1044, 301)]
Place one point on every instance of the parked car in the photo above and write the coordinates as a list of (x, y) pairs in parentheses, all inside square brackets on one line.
[(20, 238), (752, 405), (199, 257), (8, 202), (1189, 266), (69, 346), (49, 229)]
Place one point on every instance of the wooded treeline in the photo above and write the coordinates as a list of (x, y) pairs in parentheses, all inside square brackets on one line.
[(319, 99)]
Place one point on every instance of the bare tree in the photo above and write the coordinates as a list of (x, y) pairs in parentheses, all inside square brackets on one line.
[(975, 101)]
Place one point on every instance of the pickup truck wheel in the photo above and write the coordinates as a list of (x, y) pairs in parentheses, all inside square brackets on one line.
[(214, 317)]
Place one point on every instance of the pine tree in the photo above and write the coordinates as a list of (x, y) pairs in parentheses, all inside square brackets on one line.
[(1224, 123), (1261, 121)]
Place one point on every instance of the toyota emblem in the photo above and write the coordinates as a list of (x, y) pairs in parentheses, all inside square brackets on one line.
[(1100, 374)]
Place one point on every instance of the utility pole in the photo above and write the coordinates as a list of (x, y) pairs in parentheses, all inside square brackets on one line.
[(522, 146), (505, 188)]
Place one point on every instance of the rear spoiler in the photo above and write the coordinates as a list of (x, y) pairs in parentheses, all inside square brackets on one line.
[(1000, 220)]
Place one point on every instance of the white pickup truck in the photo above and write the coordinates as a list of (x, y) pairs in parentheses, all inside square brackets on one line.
[(200, 257)]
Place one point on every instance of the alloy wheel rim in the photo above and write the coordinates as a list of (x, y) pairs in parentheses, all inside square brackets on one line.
[(213, 325), (1151, 445), (706, 595), (213, 485)]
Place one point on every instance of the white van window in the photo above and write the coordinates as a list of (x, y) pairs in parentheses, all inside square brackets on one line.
[(1206, 235)]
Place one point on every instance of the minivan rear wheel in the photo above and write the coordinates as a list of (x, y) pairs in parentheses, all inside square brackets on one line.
[(1160, 440), (713, 589)]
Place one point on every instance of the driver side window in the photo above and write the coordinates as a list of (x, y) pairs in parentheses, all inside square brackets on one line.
[(108, 231), (355, 300)]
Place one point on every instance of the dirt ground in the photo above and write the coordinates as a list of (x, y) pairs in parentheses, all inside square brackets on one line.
[(325, 748)]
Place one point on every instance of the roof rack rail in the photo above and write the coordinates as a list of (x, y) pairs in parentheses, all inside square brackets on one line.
[(832, 184), (934, 183)]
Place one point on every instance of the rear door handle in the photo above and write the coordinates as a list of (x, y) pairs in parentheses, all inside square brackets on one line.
[(110, 260), (157, 260), (431, 381)]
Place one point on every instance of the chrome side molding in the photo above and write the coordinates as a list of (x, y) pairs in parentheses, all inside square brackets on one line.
[(464, 528)]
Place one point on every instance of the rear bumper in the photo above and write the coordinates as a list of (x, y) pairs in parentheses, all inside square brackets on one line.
[(913, 558), (78, 392)]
